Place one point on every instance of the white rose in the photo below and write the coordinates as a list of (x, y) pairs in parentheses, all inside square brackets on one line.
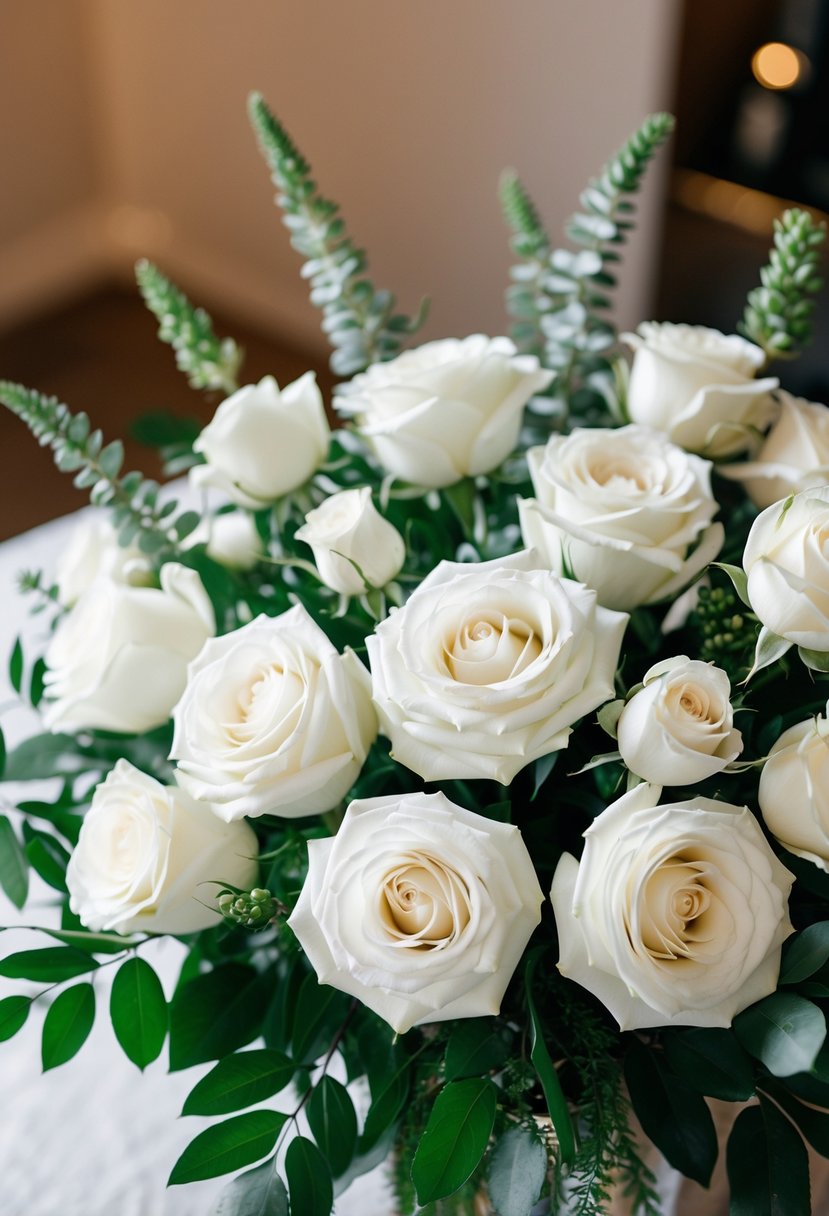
[(347, 529), (794, 455), (698, 386), (488, 666), (446, 410), (786, 559), (273, 720), (675, 914), (263, 442), (419, 908), (93, 550), (624, 511), (678, 729), (118, 660), (148, 857), (230, 538), (794, 791)]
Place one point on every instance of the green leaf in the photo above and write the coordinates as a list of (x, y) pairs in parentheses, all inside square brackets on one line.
[(813, 1124), (388, 1097), (215, 1014), (805, 953), (36, 682), (13, 1013), (539, 1055), (67, 1025), (16, 666), (45, 756), (711, 1061), (475, 1046), (47, 857), (228, 1146), (784, 1031), (455, 1137), (138, 1010), (333, 1123), (259, 1192), (768, 650), (162, 429), (319, 1011), (768, 1170), (50, 965), (14, 868), (673, 1115), (238, 1081), (517, 1170), (739, 579), (309, 1179)]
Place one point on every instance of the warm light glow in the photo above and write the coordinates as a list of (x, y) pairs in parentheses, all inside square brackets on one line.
[(776, 65)]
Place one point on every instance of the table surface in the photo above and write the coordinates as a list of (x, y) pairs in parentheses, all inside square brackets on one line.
[(94, 1137)]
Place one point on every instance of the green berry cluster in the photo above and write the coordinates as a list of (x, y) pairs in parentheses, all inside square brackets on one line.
[(250, 909), (728, 631)]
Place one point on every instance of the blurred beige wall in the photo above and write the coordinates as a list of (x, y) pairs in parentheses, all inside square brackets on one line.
[(127, 120)]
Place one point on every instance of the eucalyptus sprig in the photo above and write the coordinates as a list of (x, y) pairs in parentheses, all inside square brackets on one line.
[(209, 362), (778, 313), (78, 449), (359, 320)]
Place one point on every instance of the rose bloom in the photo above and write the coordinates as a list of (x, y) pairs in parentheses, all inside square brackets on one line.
[(118, 660), (697, 385), (624, 511), (447, 410), (273, 720), (230, 538), (148, 858), (488, 666), (675, 914), (347, 531), (263, 442), (678, 729), (794, 791), (419, 908), (786, 559), (93, 550), (794, 455)]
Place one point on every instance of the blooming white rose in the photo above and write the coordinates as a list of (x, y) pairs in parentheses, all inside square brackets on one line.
[(93, 550), (447, 410), (273, 719), (678, 729), (675, 914), (347, 529), (230, 538), (786, 559), (118, 660), (263, 442), (488, 666), (794, 790), (794, 455), (419, 908), (698, 386), (144, 853), (624, 511)]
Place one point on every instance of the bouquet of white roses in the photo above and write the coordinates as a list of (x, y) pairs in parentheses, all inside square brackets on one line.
[(437, 739)]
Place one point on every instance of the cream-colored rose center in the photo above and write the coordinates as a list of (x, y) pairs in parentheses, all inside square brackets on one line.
[(490, 647), (424, 904), (676, 910), (691, 700), (620, 474), (271, 693)]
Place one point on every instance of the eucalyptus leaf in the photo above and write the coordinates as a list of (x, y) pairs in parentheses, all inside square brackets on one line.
[(784, 1031), (805, 953), (258, 1192), (517, 1170), (228, 1146), (14, 866)]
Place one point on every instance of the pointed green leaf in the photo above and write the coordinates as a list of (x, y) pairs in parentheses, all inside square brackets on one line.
[(14, 867), (67, 1025), (13, 1013), (36, 682), (309, 1179), (539, 1055), (47, 857), (16, 666), (805, 953), (476, 1046), (710, 1061), (455, 1137), (784, 1031), (517, 1170), (215, 1014), (50, 965), (259, 1192), (813, 1124), (768, 1170), (138, 1009), (319, 1011), (333, 1123), (228, 1146), (238, 1081), (738, 577)]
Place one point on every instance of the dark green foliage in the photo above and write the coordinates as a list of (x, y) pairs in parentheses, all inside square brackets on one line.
[(228, 1146), (359, 320), (67, 1025), (455, 1138), (778, 313), (139, 1012)]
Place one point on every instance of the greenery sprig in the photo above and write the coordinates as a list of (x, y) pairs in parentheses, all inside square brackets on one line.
[(209, 362), (78, 449), (359, 320), (778, 313), (561, 309)]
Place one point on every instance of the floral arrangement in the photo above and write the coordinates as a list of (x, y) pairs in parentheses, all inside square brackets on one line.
[(477, 750)]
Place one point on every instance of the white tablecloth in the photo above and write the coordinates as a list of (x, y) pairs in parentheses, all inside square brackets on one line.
[(94, 1137)]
